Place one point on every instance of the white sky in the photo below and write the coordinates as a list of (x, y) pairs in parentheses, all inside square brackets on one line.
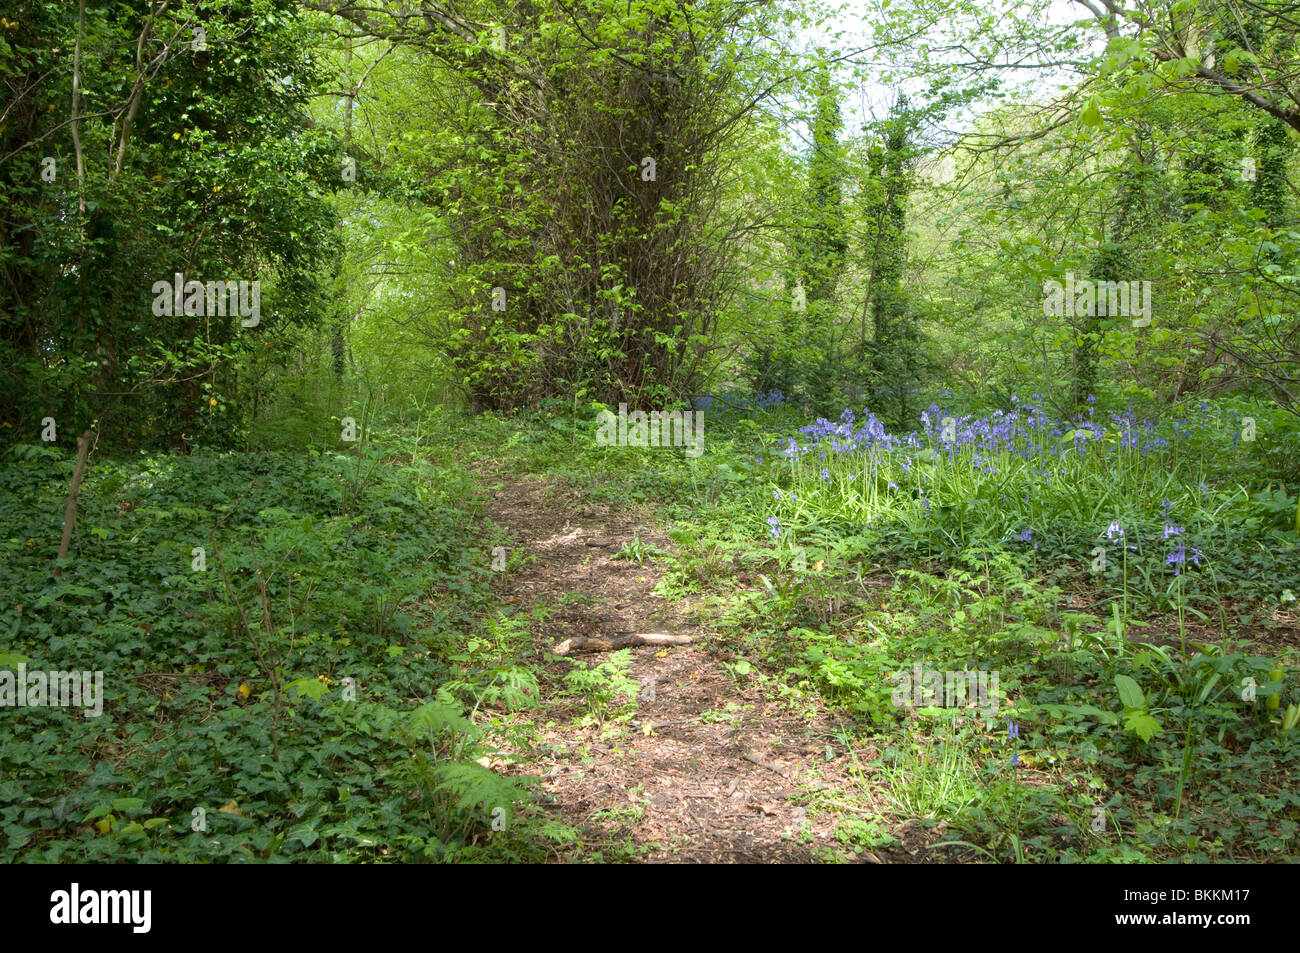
[(872, 99)]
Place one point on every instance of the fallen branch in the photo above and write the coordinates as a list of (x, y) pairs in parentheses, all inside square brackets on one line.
[(754, 759), (655, 726), (596, 643)]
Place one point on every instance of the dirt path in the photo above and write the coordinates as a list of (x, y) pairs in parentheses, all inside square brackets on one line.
[(706, 771)]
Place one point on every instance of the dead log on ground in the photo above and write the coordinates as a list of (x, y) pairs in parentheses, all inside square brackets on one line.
[(598, 643)]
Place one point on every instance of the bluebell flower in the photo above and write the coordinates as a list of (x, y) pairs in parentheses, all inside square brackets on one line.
[(1113, 530), (1013, 730), (775, 524), (1026, 535)]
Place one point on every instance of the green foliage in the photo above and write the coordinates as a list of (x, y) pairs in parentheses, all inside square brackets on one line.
[(600, 684), (644, 200), (294, 725), (195, 159)]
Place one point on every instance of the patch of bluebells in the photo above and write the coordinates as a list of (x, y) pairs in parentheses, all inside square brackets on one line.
[(734, 401), (1027, 430)]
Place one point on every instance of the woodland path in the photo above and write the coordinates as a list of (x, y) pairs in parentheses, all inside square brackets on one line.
[(706, 771)]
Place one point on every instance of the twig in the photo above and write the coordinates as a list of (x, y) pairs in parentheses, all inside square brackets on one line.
[(754, 759)]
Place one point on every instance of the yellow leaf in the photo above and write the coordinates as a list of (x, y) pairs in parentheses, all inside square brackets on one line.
[(175, 135), (243, 691), (230, 807), (104, 824)]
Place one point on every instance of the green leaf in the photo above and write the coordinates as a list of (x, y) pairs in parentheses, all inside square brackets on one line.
[(1142, 724), (101, 811), (1130, 693), (311, 687)]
